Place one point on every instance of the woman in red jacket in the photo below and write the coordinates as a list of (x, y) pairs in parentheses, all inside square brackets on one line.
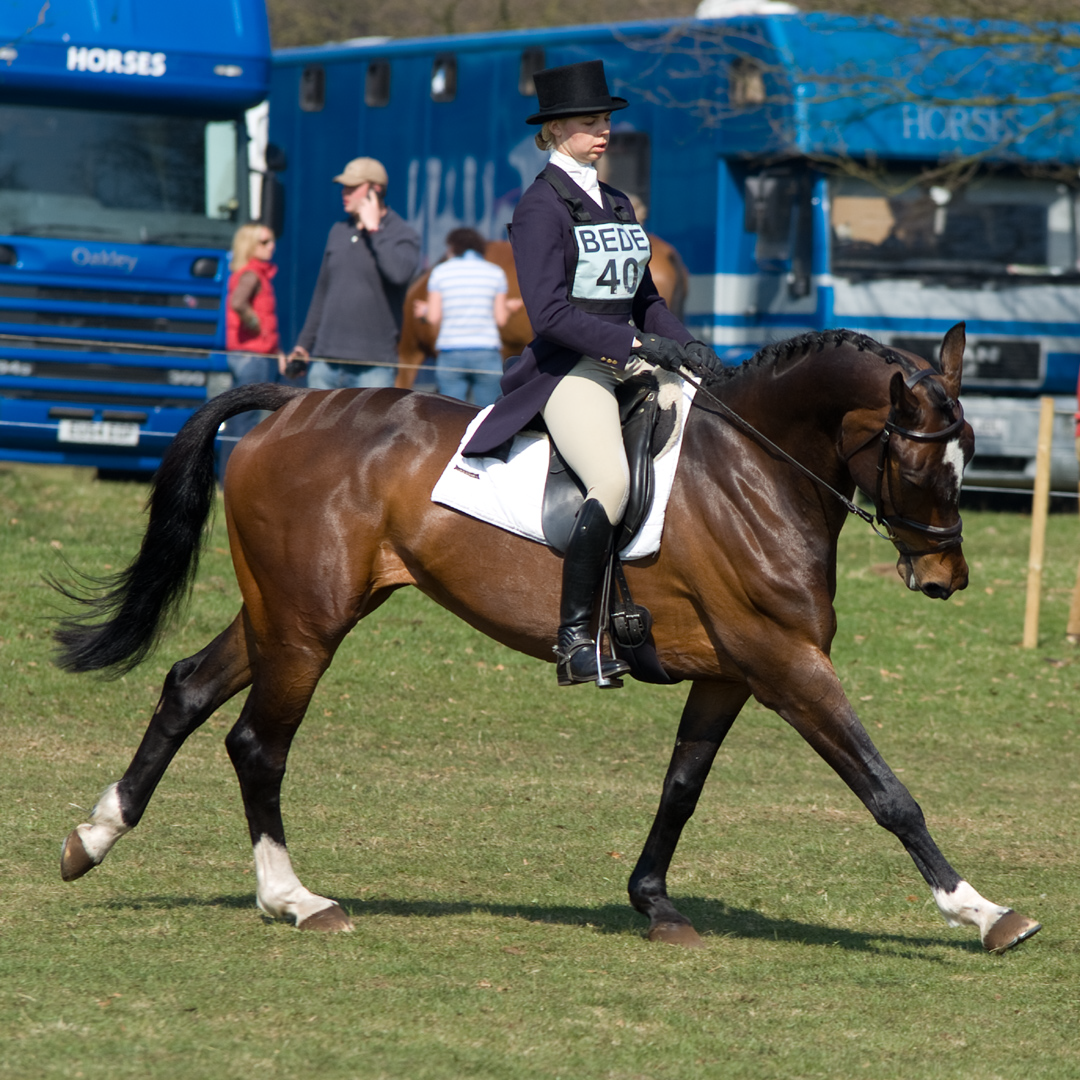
[(251, 331)]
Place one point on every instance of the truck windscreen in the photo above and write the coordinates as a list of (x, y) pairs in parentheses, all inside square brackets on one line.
[(118, 177), (993, 226)]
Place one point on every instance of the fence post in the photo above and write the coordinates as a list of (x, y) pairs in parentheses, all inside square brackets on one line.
[(1072, 628), (1040, 508)]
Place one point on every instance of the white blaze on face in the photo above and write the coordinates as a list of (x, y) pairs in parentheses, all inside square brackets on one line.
[(965, 907), (954, 459), (279, 892), (105, 827)]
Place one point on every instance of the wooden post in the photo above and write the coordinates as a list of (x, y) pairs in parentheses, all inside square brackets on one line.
[(1072, 628), (1040, 508)]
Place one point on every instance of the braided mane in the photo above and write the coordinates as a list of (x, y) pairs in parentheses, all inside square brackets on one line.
[(780, 352)]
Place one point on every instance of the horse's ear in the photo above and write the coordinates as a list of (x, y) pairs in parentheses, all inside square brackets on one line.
[(952, 359), (904, 402)]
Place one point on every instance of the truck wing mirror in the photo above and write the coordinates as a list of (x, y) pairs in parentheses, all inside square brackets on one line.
[(272, 203), (768, 207), (276, 159)]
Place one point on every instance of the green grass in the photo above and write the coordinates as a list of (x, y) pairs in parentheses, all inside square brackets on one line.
[(480, 826)]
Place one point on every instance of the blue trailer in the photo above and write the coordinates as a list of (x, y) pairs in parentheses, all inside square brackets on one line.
[(123, 175), (813, 170)]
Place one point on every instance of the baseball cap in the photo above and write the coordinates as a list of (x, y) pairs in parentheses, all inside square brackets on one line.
[(363, 170)]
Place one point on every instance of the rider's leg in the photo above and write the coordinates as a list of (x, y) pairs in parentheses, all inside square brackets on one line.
[(582, 418)]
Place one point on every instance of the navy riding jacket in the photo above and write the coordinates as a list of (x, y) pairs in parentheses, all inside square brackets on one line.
[(545, 256)]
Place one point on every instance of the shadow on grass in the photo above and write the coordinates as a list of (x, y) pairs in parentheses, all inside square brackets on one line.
[(713, 919)]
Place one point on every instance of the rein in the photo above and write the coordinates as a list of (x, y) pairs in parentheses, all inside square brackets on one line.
[(942, 537)]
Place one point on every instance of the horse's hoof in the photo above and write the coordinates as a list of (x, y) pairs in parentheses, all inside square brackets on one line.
[(331, 920), (74, 861), (671, 933), (1008, 931)]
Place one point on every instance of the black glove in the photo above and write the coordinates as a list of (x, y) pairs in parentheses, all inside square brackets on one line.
[(703, 358), (663, 352)]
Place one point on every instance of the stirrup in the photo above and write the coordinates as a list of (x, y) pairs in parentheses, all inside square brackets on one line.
[(584, 663)]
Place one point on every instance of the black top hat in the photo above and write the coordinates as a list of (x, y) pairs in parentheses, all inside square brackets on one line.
[(573, 90)]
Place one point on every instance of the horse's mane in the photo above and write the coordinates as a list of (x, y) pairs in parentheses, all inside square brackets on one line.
[(780, 352)]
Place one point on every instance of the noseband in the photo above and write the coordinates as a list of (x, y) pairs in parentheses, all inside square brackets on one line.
[(940, 537)]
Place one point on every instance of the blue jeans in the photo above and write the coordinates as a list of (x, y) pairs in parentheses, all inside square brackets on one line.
[(330, 376), (245, 369), (477, 369)]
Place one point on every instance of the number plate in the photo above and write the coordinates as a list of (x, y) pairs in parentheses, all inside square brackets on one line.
[(106, 433)]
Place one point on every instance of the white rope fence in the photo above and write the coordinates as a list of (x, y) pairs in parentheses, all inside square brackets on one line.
[(193, 353)]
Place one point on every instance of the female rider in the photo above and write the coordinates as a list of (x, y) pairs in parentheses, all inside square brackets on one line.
[(582, 264)]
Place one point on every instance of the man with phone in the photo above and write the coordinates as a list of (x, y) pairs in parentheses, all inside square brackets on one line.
[(354, 319)]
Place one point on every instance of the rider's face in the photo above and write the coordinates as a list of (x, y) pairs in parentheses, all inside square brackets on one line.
[(584, 138)]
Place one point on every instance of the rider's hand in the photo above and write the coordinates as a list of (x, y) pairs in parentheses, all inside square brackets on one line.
[(702, 356), (664, 352)]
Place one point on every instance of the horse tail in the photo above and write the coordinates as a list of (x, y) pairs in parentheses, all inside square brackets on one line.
[(124, 615)]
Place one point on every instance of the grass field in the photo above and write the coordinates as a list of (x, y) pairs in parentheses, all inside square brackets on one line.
[(480, 826)]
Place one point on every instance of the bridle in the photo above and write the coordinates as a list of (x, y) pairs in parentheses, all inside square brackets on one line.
[(943, 537), (940, 537)]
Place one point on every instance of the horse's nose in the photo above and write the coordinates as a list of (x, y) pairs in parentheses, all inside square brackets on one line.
[(936, 591)]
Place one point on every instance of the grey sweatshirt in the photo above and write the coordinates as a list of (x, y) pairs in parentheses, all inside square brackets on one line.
[(355, 313)]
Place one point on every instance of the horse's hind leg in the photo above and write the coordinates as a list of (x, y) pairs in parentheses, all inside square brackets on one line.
[(707, 717), (825, 718), (193, 690), (258, 746)]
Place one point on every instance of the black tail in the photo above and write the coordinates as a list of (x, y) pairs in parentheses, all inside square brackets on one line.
[(125, 615)]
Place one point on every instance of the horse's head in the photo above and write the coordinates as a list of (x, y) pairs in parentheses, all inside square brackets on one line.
[(915, 480)]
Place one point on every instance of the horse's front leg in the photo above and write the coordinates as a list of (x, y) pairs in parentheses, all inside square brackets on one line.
[(707, 717), (193, 690), (809, 696)]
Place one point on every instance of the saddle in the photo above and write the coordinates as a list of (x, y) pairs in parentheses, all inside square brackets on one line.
[(646, 430)]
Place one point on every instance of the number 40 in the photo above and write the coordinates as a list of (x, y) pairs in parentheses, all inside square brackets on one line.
[(610, 276)]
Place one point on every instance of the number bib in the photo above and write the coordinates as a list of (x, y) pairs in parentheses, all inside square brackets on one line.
[(612, 258)]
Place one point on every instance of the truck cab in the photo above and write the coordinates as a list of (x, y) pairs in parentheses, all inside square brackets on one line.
[(123, 176)]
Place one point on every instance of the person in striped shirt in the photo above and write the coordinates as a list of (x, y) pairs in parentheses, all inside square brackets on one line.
[(467, 301)]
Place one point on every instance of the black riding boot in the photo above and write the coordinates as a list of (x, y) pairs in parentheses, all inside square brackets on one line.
[(584, 563)]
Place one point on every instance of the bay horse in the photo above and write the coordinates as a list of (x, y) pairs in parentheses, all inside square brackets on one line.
[(741, 590)]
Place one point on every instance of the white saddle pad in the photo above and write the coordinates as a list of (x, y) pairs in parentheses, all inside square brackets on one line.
[(509, 493)]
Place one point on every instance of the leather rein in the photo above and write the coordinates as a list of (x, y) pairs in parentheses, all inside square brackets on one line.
[(940, 537)]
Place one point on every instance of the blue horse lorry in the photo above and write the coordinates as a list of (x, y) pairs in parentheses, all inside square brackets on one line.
[(123, 175), (814, 171)]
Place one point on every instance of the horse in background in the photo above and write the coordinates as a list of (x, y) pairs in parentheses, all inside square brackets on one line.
[(417, 341)]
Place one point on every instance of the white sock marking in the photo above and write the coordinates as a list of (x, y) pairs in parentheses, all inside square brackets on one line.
[(965, 907), (279, 892), (105, 827)]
